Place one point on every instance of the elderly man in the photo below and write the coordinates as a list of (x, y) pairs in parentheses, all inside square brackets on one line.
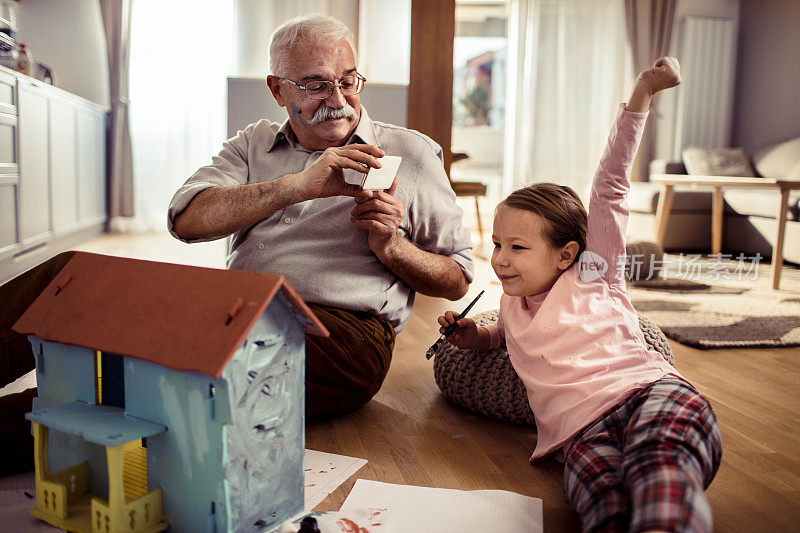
[(356, 256)]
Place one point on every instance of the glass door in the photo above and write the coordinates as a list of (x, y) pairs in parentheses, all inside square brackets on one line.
[(479, 93)]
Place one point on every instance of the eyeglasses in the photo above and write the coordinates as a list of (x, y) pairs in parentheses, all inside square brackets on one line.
[(320, 90)]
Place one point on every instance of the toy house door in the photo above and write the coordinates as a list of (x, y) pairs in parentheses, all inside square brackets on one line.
[(109, 379)]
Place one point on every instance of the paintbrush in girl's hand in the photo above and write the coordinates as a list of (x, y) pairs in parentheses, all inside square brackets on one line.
[(451, 328)]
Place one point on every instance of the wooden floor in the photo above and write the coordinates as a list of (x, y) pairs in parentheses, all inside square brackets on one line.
[(410, 434)]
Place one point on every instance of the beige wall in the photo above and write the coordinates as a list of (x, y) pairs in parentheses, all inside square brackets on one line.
[(68, 36), (767, 104)]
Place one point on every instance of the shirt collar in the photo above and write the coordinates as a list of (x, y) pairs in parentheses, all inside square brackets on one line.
[(285, 133), (364, 133), (536, 300)]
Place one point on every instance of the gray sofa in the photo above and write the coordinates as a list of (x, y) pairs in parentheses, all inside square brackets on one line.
[(749, 215)]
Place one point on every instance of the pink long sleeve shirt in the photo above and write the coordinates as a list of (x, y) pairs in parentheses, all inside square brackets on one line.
[(578, 347)]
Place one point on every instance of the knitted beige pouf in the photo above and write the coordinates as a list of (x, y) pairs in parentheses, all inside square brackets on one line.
[(486, 383)]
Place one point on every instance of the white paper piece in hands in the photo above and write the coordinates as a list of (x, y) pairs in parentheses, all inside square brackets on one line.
[(425, 509), (324, 472), (377, 179)]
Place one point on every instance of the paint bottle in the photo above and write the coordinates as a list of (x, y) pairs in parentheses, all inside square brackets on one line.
[(24, 61), (309, 525)]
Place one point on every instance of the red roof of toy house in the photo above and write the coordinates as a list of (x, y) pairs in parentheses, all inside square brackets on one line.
[(186, 318)]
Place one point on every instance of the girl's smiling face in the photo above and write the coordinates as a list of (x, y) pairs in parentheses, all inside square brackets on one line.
[(523, 259)]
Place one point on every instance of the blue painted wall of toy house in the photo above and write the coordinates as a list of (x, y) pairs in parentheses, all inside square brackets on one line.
[(268, 408), (188, 460)]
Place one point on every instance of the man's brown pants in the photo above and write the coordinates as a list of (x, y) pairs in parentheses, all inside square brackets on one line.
[(343, 371)]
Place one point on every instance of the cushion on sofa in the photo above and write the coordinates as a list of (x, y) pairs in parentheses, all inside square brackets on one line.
[(779, 160), (486, 383), (717, 162), (759, 203)]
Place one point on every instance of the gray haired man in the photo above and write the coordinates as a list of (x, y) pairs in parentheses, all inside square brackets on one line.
[(356, 256)]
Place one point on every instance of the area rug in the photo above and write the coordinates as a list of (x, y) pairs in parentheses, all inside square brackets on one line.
[(712, 316)]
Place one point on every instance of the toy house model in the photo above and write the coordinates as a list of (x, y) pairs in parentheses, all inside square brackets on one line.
[(169, 396)]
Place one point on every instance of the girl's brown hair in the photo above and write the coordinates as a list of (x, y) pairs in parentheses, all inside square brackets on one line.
[(559, 206)]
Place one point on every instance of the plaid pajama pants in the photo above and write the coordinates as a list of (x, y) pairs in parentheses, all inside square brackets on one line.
[(645, 464)]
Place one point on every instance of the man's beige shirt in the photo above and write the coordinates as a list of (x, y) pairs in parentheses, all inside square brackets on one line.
[(314, 244)]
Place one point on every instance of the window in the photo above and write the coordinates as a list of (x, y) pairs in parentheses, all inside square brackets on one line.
[(479, 91)]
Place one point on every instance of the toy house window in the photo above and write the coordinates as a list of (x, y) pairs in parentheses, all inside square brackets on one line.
[(109, 379)]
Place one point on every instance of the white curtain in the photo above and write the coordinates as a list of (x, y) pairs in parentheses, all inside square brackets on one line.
[(569, 68), (181, 53)]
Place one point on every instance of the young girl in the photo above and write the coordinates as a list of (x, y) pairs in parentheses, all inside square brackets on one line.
[(639, 443)]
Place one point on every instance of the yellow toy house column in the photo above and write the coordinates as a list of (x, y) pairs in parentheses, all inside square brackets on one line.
[(63, 500), (51, 498)]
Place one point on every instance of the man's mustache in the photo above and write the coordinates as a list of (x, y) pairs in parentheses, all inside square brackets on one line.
[(325, 113)]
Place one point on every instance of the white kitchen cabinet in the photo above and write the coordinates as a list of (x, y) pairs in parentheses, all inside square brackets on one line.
[(91, 167), (52, 171), (9, 169), (63, 166), (35, 221)]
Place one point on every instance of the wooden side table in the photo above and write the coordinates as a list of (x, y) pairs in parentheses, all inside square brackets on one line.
[(669, 181)]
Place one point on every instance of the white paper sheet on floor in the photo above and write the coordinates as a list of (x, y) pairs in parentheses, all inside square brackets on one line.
[(434, 510), (324, 472)]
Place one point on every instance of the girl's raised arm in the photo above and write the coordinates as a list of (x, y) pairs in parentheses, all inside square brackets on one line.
[(608, 212)]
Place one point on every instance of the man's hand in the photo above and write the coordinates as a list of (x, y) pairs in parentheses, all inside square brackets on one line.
[(325, 177), (380, 213)]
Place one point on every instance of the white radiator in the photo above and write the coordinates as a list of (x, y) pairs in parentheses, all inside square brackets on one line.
[(704, 109)]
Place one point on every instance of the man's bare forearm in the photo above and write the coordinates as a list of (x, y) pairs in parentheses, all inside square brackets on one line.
[(425, 272), (222, 210)]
